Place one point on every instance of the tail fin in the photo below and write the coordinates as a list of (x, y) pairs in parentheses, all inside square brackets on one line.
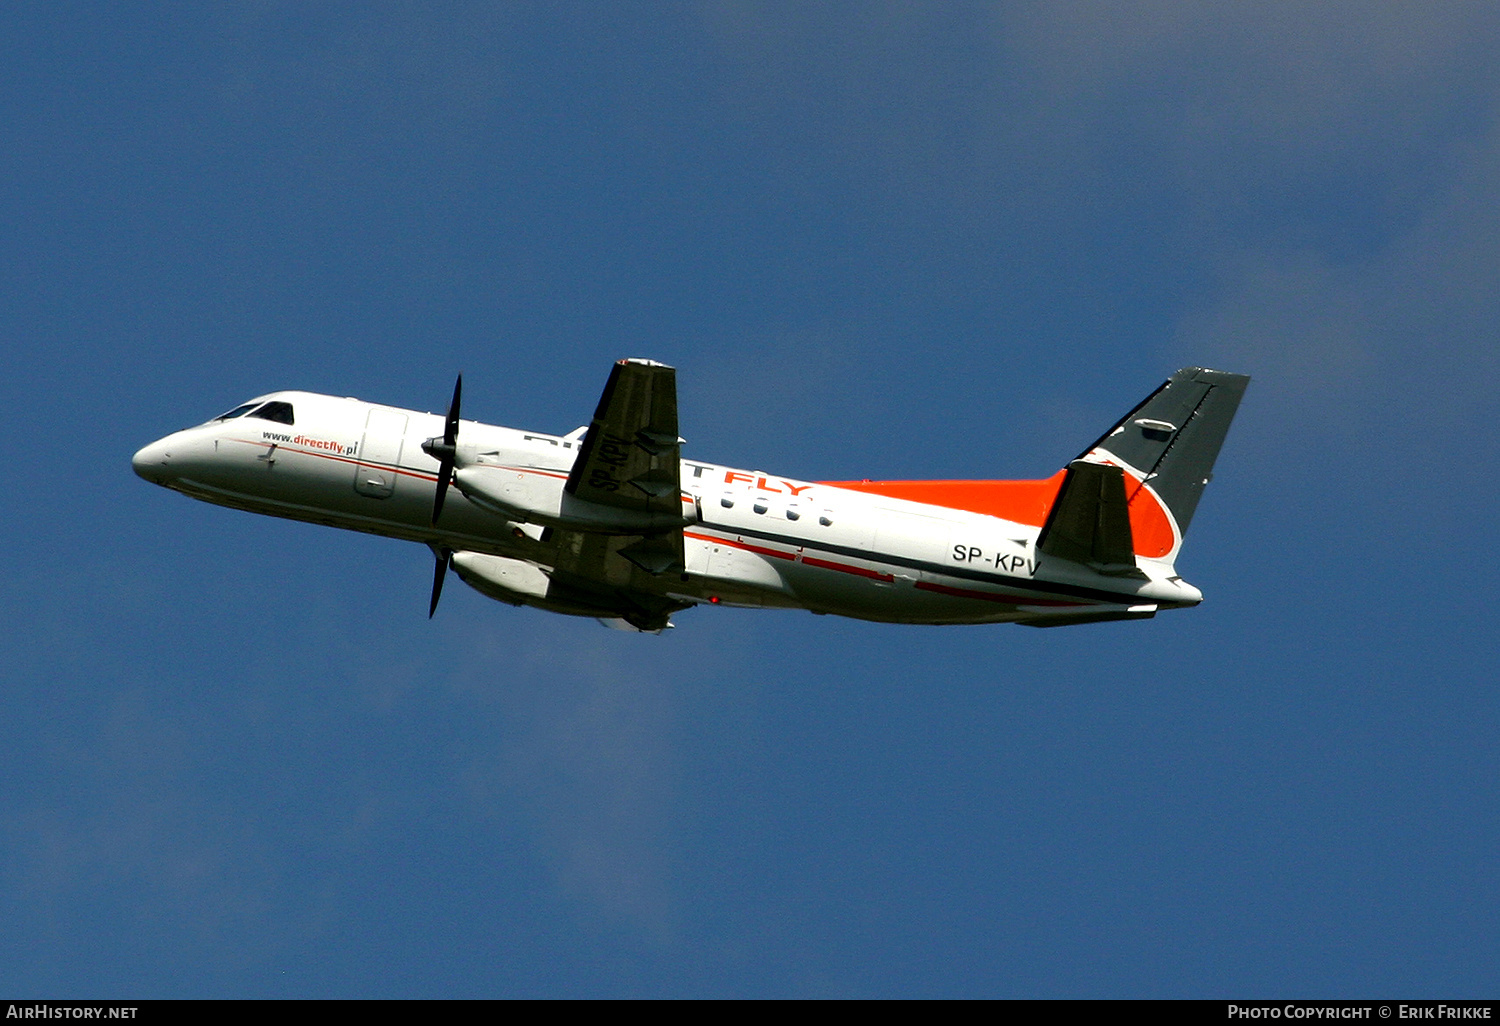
[(1166, 447)]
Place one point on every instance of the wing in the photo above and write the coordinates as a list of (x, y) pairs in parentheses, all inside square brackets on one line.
[(607, 568), (629, 457), (629, 460)]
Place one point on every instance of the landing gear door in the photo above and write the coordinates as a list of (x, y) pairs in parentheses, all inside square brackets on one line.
[(380, 454)]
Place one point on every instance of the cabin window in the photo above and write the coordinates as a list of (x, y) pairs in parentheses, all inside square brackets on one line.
[(825, 520), (726, 502), (759, 507), (792, 514), (281, 413)]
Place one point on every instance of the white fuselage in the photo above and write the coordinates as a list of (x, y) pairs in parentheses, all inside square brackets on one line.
[(751, 538)]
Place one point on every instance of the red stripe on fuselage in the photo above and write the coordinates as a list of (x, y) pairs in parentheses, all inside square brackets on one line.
[(845, 568), (285, 447), (813, 561), (758, 550)]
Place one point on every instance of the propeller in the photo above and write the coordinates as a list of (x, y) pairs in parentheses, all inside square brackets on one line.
[(444, 561), (444, 451)]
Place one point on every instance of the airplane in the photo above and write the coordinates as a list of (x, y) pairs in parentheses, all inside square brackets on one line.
[(610, 521)]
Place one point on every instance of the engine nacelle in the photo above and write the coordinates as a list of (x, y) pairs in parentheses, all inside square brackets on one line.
[(525, 584), (510, 580), (540, 499)]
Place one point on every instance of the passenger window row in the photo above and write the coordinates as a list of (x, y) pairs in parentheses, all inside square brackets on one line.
[(761, 506)]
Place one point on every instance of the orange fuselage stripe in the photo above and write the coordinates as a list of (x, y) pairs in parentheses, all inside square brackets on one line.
[(1025, 502)]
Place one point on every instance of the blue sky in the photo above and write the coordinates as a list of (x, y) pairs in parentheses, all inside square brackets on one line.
[(877, 240)]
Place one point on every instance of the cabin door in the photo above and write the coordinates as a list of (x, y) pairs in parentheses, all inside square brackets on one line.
[(379, 454)]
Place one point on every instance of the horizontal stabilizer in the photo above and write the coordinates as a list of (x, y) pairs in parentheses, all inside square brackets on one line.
[(1090, 520)]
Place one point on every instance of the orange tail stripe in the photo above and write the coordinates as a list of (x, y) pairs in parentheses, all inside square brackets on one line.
[(1026, 502)]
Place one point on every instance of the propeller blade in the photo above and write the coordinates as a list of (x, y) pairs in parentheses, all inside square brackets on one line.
[(445, 478), (450, 430), (444, 557), (446, 451)]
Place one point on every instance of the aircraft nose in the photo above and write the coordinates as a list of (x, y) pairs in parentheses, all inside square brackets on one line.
[(152, 461)]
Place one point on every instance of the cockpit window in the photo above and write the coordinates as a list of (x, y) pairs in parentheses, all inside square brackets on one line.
[(281, 413), (238, 411)]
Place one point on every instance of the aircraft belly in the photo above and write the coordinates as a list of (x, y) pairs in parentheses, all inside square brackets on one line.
[(905, 589), (886, 597), (736, 573)]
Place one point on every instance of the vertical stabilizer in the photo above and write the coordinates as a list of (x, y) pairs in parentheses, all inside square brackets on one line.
[(1170, 441)]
